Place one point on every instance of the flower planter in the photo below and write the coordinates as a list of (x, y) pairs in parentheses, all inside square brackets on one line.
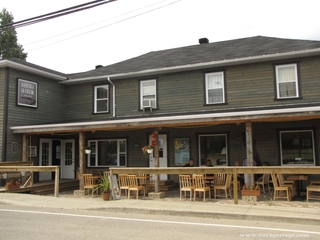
[(150, 151), (11, 185), (250, 193), (87, 151)]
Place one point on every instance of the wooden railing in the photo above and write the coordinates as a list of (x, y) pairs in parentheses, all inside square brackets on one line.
[(31, 169), (214, 170)]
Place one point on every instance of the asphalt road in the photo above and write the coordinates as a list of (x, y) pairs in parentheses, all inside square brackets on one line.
[(45, 223)]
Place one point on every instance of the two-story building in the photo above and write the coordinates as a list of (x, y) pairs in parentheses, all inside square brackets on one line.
[(207, 101)]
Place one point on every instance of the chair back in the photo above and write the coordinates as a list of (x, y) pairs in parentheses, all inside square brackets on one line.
[(220, 179), (132, 181), (88, 179), (198, 181), (142, 179), (228, 180), (274, 180), (280, 178), (123, 180), (266, 178), (185, 181)]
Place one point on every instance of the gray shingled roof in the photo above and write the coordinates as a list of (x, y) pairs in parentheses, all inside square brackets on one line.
[(202, 53)]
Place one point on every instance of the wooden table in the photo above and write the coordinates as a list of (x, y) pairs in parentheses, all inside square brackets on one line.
[(298, 182)]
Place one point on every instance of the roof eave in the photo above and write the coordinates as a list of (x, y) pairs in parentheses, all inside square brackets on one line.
[(22, 67), (197, 66)]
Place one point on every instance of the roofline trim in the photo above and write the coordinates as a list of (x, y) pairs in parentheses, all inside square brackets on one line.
[(19, 66), (269, 57), (132, 122)]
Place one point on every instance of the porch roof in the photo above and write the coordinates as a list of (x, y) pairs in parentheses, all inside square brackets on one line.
[(205, 119)]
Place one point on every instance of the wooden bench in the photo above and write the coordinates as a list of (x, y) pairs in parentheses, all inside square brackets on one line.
[(313, 188)]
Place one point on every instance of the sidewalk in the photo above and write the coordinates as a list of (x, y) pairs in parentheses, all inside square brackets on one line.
[(293, 211)]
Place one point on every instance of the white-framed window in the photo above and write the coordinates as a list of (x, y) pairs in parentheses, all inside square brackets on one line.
[(101, 99), (215, 88), (107, 152), (287, 81), (148, 94), (297, 147), (213, 147)]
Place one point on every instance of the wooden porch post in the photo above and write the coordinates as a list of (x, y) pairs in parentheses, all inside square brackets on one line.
[(249, 180), (156, 162), (24, 148), (82, 158)]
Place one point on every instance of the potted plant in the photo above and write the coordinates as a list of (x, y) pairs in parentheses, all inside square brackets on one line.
[(87, 149), (104, 187), (147, 149), (252, 191)]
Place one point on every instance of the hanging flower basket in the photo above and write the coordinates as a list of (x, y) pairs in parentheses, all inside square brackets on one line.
[(87, 149), (147, 149)]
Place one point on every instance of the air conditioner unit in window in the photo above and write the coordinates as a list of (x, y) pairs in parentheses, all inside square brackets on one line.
[(149, 103)]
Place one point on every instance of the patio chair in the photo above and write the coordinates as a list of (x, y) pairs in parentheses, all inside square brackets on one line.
[(225, 187), (134, 186), (264, 182), (186, 185), (89, 184), (123, 183), (280, 191), (150, 182), (283, 182), (200, 186), (142, 180)]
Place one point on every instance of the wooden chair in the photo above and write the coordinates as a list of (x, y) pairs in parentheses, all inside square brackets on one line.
[(311, 192), (142, 180), (200, 186), (123, 183), (284, 183), (264, 182), (280, 190), (134, 186), (89, 184), (225, 187), (150, 182), (186, 185)]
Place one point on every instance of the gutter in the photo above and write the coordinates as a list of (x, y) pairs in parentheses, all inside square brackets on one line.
[(196, 66), (113, 97)]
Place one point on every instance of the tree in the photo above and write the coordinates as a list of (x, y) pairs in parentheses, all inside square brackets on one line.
[(9, 46)]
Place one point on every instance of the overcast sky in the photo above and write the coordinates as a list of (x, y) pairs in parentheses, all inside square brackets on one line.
[(125, 29)]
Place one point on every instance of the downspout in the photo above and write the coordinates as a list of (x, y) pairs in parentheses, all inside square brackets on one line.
[(113, 97)]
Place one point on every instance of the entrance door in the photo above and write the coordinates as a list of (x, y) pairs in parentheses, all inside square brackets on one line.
[(45, 158), (163, 161), (67, 159)]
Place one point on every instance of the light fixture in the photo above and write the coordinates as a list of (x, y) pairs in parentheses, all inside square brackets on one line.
[(224, 151)]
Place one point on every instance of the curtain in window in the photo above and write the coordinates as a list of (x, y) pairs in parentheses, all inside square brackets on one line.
[(287, 81), (215, 88)]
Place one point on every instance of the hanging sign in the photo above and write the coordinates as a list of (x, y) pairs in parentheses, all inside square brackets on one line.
[(27, 93)]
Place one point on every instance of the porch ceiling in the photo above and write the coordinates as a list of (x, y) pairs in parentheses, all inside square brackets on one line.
[(208, 119)]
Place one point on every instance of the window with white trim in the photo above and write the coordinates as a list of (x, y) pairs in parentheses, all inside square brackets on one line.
[(107, 152), (287, 81), (101, 99), (297, 147), (148, 94), (215, 88)]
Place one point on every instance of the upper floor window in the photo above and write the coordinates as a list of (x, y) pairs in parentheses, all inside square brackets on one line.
[(148, 94), (101, 99), (287, 81), (215, 88)]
